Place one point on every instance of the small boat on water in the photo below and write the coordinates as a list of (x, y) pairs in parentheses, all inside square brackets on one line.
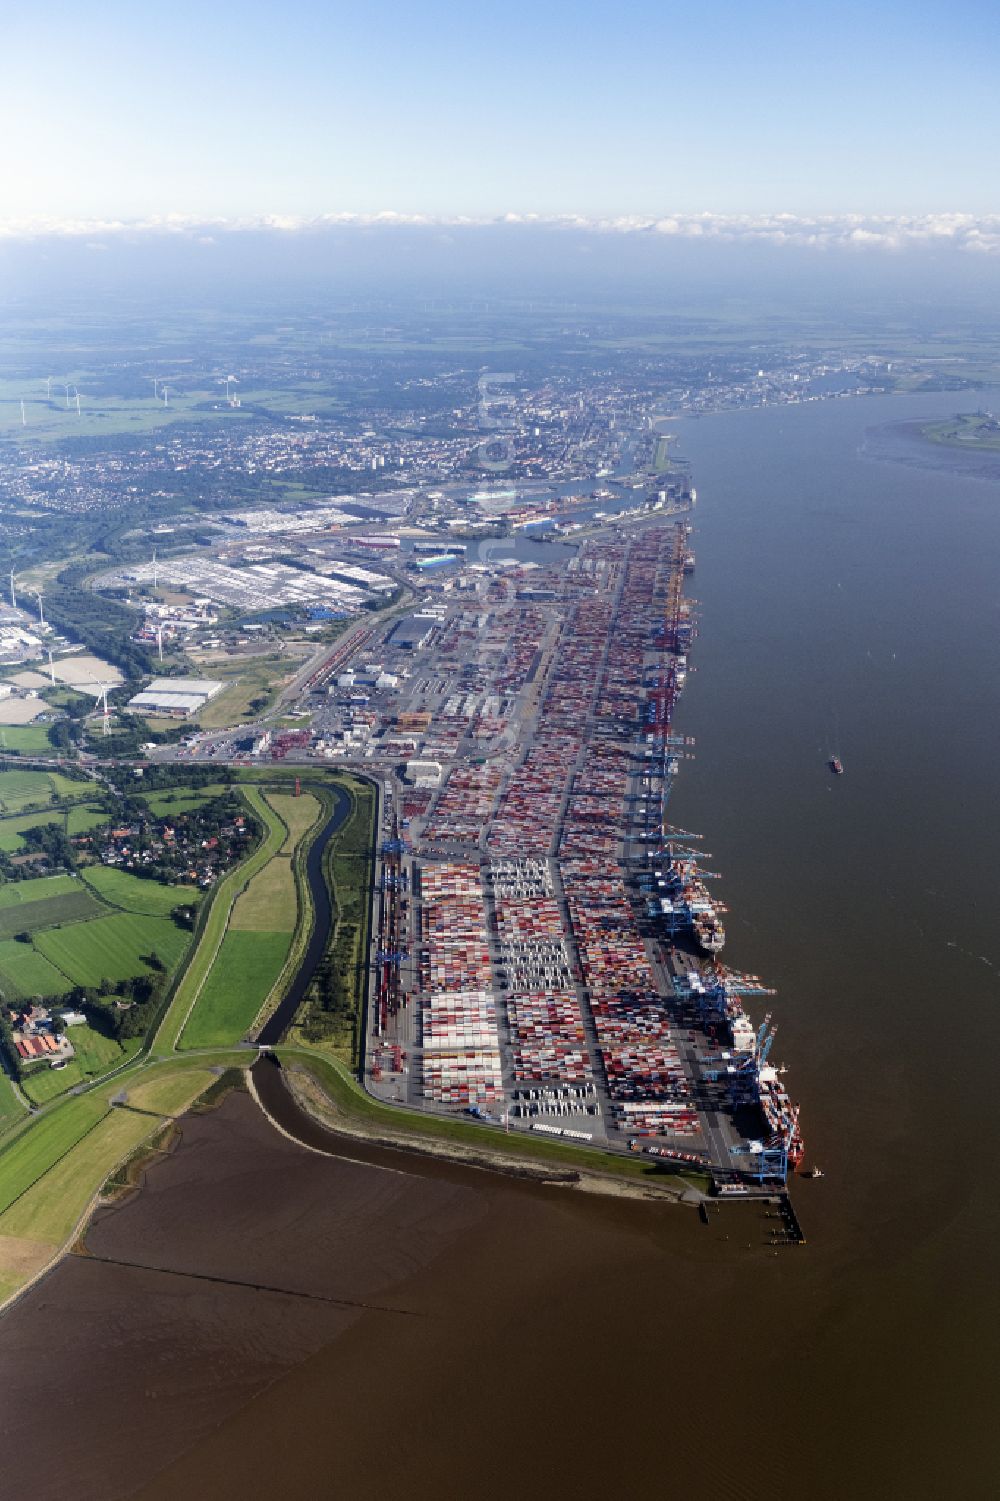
[(836, 765)]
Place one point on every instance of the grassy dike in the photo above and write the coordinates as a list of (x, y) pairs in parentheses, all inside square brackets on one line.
[(300, 842), (355, 1112)]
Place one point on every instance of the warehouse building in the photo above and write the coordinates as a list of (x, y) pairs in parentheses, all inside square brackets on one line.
[(412, 633), (175, 697)]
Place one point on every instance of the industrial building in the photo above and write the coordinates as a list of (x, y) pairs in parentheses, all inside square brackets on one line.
[(424, 773), (176, 697), (412, 633)]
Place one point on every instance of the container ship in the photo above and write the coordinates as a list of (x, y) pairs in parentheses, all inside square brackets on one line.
[(779, 1112), (689, 903), (709, 931)]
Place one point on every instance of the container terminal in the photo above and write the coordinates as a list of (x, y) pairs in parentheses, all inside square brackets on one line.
[(546, 951)]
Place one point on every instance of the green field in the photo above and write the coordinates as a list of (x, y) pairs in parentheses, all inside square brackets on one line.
[(259, 933), (19, 789), (11, 1109), (30, 739), (24, 1157), (270, 903), (73, 907), (95, 1055), (122, 889), (49, 420), (299, 814), (11, 829), (170, 804), (256, 677), (68, 788), (24, 972), (239, 983), (22, 893), (112, 948), (25, 789), (84, 817)]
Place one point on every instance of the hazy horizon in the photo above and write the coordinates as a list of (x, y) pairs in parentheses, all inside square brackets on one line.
[(582, 109)]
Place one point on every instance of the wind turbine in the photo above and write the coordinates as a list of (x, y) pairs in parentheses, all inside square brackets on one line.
[(154, 567), (41, 614), (24, 420), (52, 671), (78, 413), (13, 596), (159, 639), (156, 394), (48, 388), (103, 694), (66, 389), (166, 390)]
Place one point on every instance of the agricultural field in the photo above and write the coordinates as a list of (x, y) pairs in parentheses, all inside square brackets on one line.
[(33, 1151), (238, 984), (70, 907), (103, 926), (84, 817), (119, 888), (11, 1109), (11, 829), (22, 893), (95, 1055), (297, 813), (78, 819), (49, 419), (51, 1166), (25, 973), (20, 790), (29, 739), (112, 948), (173, 801), (270, 902)]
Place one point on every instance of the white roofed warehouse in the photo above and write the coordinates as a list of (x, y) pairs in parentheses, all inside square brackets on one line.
[(176, 697)]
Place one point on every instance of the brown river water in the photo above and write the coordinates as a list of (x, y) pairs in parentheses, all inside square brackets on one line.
[(262, 1320)]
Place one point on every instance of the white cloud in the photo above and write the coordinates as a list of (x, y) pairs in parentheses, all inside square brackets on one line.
[(966, 232)]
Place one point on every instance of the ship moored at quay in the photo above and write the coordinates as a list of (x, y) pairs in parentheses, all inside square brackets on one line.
[(547, 953)]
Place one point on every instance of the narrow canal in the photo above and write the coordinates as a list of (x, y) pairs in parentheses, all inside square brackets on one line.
[(277, 1025)]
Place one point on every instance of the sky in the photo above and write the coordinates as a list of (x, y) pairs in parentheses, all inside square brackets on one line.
[(303, 108)]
